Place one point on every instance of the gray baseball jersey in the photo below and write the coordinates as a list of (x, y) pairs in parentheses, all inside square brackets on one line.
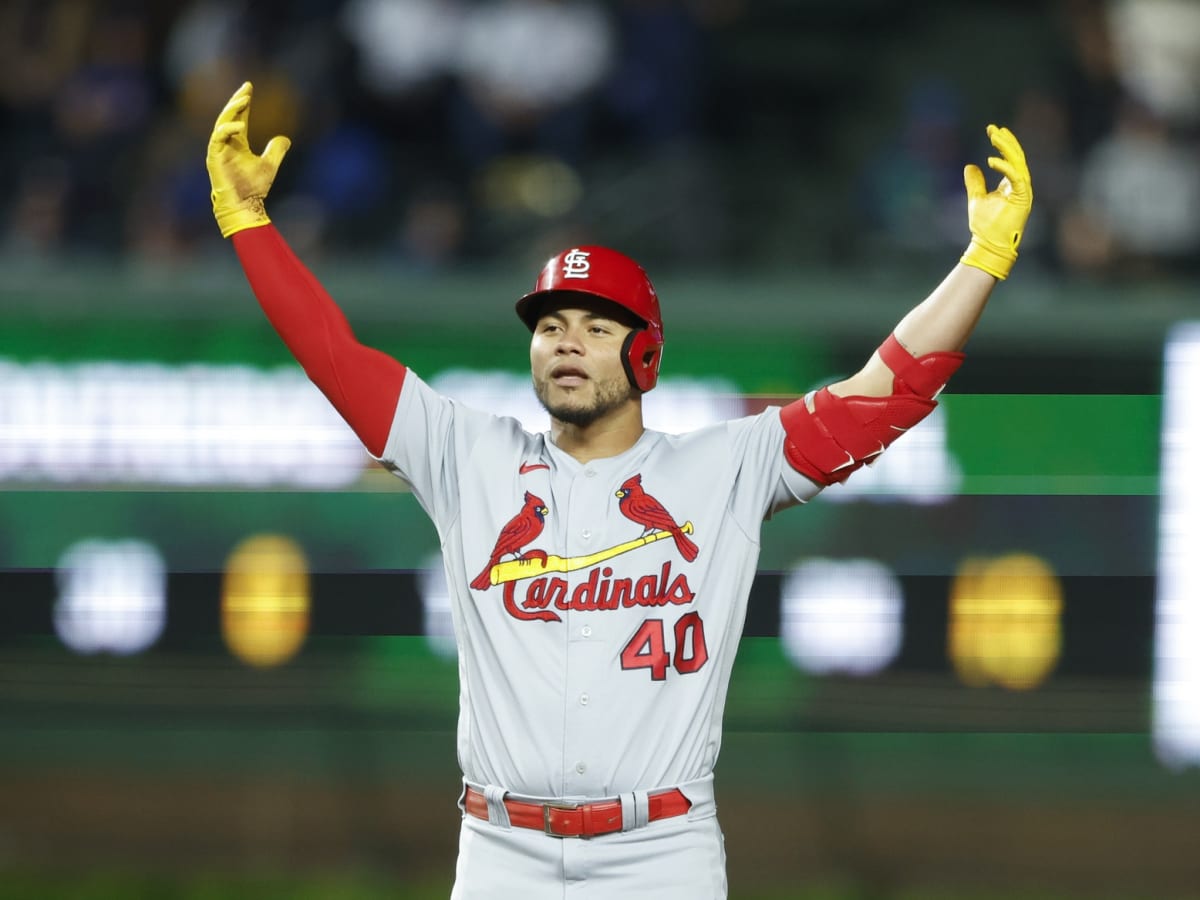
[(597, 606)]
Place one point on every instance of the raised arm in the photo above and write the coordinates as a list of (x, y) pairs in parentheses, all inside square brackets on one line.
[(362, 383), (836, 430)]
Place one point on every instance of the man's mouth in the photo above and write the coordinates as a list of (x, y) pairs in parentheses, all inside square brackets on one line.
[(568, 376)]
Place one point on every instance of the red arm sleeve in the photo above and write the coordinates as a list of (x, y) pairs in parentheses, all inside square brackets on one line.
[(363, 384)]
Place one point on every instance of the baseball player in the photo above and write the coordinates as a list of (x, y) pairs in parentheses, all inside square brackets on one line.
[(599, 571)]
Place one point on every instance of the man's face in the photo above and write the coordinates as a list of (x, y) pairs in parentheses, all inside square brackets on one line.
[(575, 357)]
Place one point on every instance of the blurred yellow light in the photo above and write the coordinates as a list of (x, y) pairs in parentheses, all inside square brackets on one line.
[(265, 600), (1005, 621), (541, 185)]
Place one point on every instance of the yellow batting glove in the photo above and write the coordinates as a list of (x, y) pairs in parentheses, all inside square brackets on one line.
[(997, 218), (240, 179)]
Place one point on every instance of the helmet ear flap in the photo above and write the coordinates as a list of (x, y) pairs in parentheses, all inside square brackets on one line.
[(640, 356)]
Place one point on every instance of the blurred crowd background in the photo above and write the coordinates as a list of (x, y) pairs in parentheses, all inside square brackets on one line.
[(432, 133)]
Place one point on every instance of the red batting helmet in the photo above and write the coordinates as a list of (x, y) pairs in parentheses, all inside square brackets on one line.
[(611, 276)]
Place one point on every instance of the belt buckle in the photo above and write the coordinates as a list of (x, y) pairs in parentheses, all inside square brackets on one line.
[(561, 807)]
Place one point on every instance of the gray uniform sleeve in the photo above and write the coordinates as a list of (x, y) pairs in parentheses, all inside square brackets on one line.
[(792, 487), (429, 434), (766, 483)]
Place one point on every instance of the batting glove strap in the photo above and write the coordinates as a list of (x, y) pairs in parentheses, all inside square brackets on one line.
[(996, 261), (238, 215)]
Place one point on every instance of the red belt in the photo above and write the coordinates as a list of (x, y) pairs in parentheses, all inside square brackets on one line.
[(563, 819)]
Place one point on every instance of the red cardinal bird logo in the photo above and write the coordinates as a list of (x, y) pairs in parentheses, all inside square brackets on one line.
[(640, 507), (522, 528)]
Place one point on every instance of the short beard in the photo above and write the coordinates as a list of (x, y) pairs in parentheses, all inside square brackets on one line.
[(609, 396)]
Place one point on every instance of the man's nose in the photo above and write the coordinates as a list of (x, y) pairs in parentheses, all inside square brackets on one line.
[(570, 342)]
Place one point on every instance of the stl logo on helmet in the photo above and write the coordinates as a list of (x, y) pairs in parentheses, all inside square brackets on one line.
[(576, 264), (546, 591)]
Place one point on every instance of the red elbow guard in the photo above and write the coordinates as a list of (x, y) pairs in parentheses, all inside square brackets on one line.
[(841, 434), (925, 375)]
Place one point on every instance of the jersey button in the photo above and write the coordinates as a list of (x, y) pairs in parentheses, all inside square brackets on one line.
[(590, 473), (583, 699), (580, 767), (585, 534), (586, 630)]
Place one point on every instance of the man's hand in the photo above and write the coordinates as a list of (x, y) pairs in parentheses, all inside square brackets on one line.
[(240, 179), (997, 218)]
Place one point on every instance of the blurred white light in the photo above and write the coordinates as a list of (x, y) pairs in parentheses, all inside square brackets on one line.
[(403, 43), (435, 602), (918, 468), (1177, 625), (111, 596), (1156, 46), (499, 393), (674, 406), (535, 55), (679, 405), (842, 616), (178, 425), (150, 423)]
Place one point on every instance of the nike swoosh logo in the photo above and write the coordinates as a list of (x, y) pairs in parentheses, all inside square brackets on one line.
[(526, 468)]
